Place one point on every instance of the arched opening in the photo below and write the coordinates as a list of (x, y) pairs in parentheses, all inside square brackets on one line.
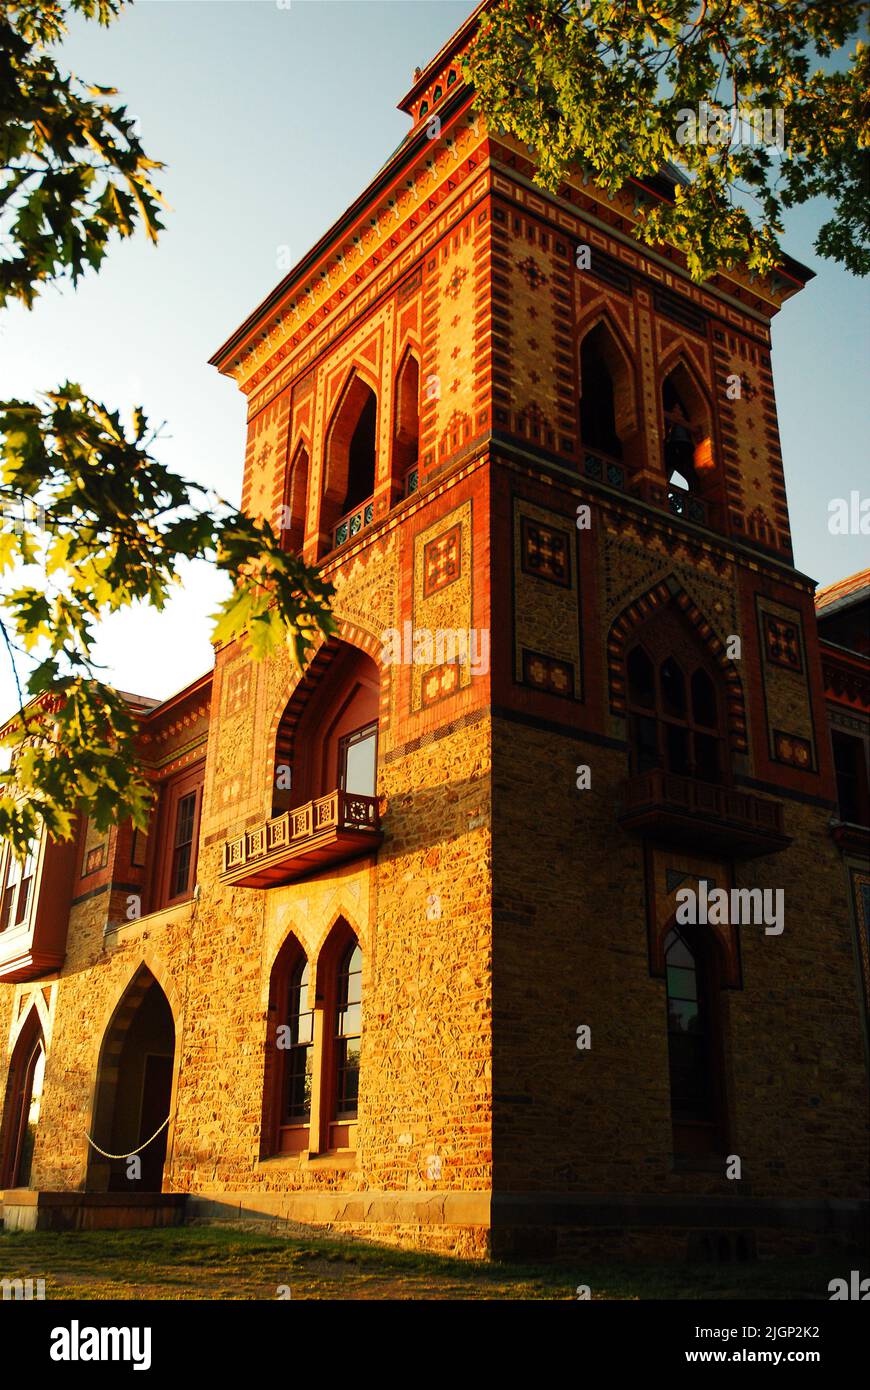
[(295, 507), (328, 735), (597, 403), (351, 452), (406, 427), (676, 706), (688, 455), (134, 1090), (607, 400), (287, 1091), (22, 1104), (339, 988), (694, 1041)]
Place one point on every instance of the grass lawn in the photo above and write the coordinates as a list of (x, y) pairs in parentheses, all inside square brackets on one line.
[(213, 1262)]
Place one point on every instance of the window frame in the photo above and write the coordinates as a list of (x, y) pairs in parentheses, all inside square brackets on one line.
[(697, 1136), (663, 719), (174, 792), (854, 779), (20, 902), (340, 1037), (337, 1134), (347, 741)]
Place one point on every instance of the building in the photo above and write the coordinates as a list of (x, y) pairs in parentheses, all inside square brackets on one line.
[(401, 953)]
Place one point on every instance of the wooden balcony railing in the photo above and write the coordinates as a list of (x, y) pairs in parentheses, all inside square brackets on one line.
[(683, 810), (304, 840)]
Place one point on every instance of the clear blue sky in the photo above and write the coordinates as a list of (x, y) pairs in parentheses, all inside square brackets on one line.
[(271, 119)]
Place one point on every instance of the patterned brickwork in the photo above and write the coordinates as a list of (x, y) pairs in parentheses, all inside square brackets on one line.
[(786, 698), (750, 441), (443, 599), (547, 629)]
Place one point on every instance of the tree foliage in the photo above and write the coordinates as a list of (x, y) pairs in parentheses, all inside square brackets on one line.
[(611, 85), (92, 522), (72, 168)]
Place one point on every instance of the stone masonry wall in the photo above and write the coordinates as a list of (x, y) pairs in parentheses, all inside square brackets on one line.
[(570, 947)]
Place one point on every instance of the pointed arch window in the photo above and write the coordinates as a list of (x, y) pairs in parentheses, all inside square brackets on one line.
[(22, 1105), (688, 456), (351, 453), (299, 1025), (406, 428), (289, 1078), (361, 455), (693, 1042), (675, 716), (597, 396), (348, 1029), (293, 515), (312, 1067)]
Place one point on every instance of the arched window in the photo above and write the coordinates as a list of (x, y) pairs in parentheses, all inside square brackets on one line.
[(361, 456), (597, 407), (608, 414), (22, 1105), (351, 446), (693, 1050), (687, 434), (339, 994), (312, 1062), (293, 514), (406, 429), (289, 1054), (299, 1026), (348, 1027), (675, 708)]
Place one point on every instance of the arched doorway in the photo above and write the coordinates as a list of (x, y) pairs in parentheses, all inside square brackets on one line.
[(134, 1090), (22, 1105)]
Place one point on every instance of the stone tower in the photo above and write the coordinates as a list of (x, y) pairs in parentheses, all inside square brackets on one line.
[(433, 983)]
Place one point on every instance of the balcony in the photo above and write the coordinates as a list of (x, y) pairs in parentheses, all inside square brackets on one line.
[(851, 836), (353, 523), (681, 811), (318, 835), (687, 505)]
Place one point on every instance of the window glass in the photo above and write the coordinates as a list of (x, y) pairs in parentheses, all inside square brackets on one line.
[(299, 1058), (673, 689), (704, 700), (348, 1028), (688, 1050), (182, 854), (641, 679), (358, 761), (646, 743)]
